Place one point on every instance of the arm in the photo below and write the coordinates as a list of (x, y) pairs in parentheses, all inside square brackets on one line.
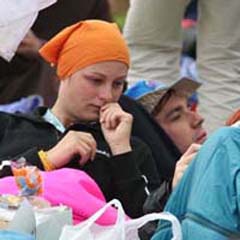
[(17, 141), (183, 163), (134, 177), (12, 145), (158, 198), (30, 45), (132, 167)]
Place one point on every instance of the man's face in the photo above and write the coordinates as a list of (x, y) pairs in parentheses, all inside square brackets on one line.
[(181, 124), (85, 92)]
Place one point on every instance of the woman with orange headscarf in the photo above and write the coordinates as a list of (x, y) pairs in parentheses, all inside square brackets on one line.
[(86, 128)]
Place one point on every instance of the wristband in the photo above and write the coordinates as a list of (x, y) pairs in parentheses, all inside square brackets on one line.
[(48, 166)]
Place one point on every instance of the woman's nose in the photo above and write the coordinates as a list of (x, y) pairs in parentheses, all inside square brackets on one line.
[(106, 94)]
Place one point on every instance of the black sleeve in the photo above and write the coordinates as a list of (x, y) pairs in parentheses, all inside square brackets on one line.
[(3, 125), (155, 202), (32, 157), (134, 177)]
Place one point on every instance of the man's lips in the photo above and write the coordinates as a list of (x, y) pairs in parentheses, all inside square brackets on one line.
[(201, 137)]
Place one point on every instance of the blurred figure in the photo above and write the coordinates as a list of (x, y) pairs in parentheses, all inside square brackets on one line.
[(156, 45), (27, 73)]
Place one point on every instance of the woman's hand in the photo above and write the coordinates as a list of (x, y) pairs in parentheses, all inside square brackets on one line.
[(73, 143), (183, 163), (116, 125)]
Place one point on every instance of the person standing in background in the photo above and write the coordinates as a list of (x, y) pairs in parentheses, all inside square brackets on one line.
[(155, 45)]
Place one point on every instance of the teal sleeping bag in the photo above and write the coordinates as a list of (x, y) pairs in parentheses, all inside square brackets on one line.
[(207, 199), (11, 235)]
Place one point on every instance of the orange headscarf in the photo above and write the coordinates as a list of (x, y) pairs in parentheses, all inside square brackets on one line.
[(85, 43)]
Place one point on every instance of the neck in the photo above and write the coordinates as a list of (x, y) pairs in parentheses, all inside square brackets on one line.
[(61, 115)]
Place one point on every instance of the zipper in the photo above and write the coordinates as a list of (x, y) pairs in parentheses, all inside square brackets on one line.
[(146, 185)]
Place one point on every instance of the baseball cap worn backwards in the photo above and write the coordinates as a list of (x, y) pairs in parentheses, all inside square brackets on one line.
[(83, 44), (150, 93)]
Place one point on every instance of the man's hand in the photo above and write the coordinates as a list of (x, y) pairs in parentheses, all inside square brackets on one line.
[(183, 163), (116, 126), (30, 45), (74, 143)]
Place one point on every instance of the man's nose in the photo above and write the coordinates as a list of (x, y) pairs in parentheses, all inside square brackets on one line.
[(197, 119)]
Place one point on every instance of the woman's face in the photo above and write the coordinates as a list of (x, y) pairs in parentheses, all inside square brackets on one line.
[(83, 94)]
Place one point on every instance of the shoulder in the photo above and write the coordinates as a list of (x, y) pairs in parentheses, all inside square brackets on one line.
[(5, 117), (17, 119)]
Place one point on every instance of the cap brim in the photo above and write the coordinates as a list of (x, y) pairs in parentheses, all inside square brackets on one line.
[(184, 86)]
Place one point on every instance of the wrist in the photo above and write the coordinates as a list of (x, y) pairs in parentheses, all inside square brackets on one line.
[(120, 148), (47, 164), (54, 158)]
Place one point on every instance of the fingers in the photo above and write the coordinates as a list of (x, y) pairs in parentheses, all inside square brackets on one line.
[(184, 162), (30, 44), (194, 147), (112, 114), (86, 153), (83, 144), (86, 146), (109, 118)]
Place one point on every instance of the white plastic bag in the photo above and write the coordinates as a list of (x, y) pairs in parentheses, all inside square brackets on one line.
[(16, 18), (44, 224), (122, 230)]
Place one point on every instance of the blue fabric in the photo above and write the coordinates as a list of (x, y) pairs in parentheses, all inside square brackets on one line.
[(188, 68), (144, 87), (191, 10), (51, 118), (207, 199), (24, 105), (10, 235)]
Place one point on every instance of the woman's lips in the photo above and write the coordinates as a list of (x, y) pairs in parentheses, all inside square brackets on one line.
[(95, 107)]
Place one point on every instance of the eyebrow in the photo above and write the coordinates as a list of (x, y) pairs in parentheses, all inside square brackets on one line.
[(95, 73), (123, 77)]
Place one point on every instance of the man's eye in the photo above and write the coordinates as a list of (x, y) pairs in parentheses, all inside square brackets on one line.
[(175, 117)]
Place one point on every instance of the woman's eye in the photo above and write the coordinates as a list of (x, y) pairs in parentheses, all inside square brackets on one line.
[(118, 84), (95, 80)]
